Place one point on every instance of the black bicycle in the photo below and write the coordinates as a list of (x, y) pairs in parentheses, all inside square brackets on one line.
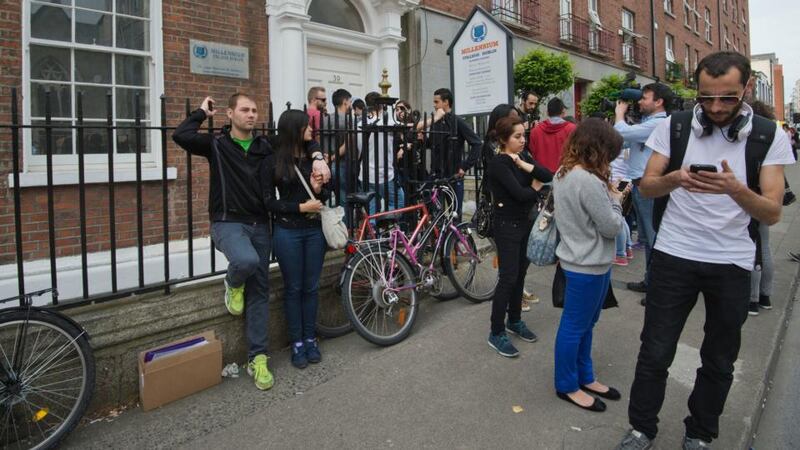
[(47, 374)]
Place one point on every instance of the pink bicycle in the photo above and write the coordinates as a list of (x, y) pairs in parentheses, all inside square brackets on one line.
[(386, 270)]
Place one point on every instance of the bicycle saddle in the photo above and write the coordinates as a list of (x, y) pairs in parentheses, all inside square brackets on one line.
[(362, 198)]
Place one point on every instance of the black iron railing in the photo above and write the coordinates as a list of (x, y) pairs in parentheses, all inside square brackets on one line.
[(362, 138)]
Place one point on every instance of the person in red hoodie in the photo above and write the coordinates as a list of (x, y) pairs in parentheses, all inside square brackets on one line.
[(548, 137)]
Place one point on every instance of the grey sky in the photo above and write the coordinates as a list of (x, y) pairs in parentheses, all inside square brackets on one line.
[(773, 29)]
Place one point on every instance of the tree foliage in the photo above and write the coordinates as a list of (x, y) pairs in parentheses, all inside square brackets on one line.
[(606, 87), (543, 72)]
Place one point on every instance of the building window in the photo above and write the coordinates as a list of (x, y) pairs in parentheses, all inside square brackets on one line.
[(734, 10), (627, 20), (336, 13), (695, 18), (594, 14), (668, 7), (93, 47), (725, 37), (686, 66), (670, 48), (696, 60), (725, 6), (687, 12), (565, 24), (708, 24), (744, 22)]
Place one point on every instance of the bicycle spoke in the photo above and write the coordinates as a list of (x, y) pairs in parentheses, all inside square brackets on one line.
[(58, 354), (33, 415)]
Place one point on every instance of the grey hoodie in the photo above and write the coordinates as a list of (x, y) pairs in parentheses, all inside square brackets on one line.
[(588, 220)]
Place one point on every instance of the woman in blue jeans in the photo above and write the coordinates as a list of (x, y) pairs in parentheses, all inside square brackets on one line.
[(588, 218), (298, 242)]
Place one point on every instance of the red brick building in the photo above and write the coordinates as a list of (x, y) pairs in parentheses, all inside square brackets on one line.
[(276, 49)]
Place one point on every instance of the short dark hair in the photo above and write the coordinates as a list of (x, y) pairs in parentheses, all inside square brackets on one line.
[(660, 92), (445, 94), (339, 96), (358, 103), (555, 107), (233, 100), (526, 94), (719, 63), (370, 99)]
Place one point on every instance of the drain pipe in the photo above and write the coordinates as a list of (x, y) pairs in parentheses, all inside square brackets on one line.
[(653, 36)]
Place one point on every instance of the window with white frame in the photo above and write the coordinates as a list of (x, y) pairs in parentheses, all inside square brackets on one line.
[(686, 59), (696, 60), (93, 47), (687, 12), (668, 7), (734, 9), (708, 24), (725, 6), (695, 18), (594, 14), (628, 21), (725, 37), (670, 48), (508, 10), (744, 22)]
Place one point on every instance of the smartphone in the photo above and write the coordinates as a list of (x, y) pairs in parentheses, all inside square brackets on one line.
[(694, 168), (622, 185), (210, 105)]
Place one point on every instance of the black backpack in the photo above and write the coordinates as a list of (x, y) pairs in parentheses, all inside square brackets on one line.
[(756, 148)]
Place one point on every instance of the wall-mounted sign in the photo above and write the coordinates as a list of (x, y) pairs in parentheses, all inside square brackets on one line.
[(481, 64), (212, 58)]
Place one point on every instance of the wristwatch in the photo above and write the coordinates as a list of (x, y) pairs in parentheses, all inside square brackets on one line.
[(317, 156)]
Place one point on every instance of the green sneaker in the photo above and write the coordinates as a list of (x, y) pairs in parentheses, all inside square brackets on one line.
[(234, 299), (258, 370)]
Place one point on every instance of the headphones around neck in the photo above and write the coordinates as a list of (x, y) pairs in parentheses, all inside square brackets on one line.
[(733, 129)]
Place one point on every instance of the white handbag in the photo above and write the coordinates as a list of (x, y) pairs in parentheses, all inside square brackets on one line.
[(333, 226)]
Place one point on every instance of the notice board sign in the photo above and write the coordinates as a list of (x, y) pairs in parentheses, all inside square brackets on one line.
[(481, 64), (213, 58)]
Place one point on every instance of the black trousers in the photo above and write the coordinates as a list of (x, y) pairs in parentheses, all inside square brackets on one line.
[(511, 240), (672, 293)]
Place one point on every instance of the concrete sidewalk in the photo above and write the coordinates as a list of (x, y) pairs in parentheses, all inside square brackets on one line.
[(443, 387)]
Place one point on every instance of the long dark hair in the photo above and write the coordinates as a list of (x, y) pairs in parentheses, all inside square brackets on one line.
[(593, 145), (500, 111), (291, 127)]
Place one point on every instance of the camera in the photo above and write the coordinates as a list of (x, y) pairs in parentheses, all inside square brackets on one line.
[(628, 91)]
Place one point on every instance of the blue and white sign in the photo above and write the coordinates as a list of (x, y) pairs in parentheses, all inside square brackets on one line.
[(481, 64), (222, 60)]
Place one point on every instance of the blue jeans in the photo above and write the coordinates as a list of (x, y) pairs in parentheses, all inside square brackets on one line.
[(623, 240), (300, 253), (583, 301), (458, 186), (246, 246), (394, 187), (644, 221)]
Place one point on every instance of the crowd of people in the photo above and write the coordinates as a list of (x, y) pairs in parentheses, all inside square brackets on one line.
[(704, 186)]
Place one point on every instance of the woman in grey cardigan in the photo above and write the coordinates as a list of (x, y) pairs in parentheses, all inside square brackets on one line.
[(588, 218)]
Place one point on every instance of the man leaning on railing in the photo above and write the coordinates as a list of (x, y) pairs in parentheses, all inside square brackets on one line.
[(239, 219)]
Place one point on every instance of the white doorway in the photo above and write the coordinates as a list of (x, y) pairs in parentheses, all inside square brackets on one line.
[(337, 69)]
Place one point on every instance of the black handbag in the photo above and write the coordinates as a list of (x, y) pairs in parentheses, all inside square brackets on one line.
[(560, 287), (484, 212)]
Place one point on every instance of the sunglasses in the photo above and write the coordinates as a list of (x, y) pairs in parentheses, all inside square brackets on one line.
[(323, 99), (707, 100)]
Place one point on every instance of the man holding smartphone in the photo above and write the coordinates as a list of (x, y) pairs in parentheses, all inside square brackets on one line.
[(655, 97), (703, 243)]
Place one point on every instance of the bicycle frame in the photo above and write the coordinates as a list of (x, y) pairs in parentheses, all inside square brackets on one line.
[(419, 237)]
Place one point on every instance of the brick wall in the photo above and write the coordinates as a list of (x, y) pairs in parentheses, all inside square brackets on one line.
[(238, 22)]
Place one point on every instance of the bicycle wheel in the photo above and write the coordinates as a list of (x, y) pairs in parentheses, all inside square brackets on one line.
[(46, 378), (379, 295), (471, 263), (332, 320)]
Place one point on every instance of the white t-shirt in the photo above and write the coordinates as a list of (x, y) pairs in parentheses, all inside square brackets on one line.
[(377, 156), (711, 227)]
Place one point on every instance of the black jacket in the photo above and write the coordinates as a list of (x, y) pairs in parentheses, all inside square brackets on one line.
[(512, 194), (236, 192), (286, 209), (445, 162)]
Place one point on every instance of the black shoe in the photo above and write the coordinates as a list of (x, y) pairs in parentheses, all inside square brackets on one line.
[(610, 394), (788, 198), (643, 301), (640, 286), (753, 309), (764, 302), (597, 406)]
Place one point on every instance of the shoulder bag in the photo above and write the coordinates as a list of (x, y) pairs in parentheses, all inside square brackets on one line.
[(333, 226)]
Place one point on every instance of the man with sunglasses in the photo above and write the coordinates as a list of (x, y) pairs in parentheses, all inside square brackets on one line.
[(653, 104), (703, 244), (317, 108)]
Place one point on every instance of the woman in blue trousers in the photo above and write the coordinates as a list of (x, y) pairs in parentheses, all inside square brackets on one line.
[(588, 218), (298, 242)]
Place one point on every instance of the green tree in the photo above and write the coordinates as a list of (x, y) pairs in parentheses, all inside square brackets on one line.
[(606, 87), (544, 73)]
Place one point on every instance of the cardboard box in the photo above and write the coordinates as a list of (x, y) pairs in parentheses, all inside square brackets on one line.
[(169, 378)]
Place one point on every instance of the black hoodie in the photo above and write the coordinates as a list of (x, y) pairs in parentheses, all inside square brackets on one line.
[(236, 192)]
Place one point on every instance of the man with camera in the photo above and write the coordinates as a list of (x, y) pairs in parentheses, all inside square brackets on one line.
[(655, 99), (715, 172)]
